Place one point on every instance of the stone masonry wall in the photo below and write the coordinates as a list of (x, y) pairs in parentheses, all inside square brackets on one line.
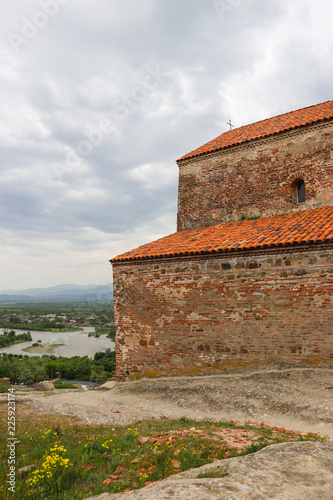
[(257, 178), (233, 312)]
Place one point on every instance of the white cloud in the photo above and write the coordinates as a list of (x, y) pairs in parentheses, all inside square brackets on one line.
[(153, 176)]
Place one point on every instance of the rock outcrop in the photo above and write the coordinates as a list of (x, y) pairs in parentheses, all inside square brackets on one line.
[(46, 385), (287, 471), (107, 386)]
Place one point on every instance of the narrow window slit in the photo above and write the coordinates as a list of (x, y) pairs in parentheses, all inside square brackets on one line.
[(300, 187)]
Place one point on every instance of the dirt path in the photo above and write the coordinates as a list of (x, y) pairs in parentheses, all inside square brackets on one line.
[(297, 399)]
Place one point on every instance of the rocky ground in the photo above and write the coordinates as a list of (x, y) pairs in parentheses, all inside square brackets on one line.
[(287, 471), (297, 399)]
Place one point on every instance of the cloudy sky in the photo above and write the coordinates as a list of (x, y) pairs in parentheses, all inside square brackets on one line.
[(100, 97)]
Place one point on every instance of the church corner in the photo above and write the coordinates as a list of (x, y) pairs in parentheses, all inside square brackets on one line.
[(246, 281)]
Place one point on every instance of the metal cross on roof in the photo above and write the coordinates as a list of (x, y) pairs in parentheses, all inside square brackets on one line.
[(230, 124)]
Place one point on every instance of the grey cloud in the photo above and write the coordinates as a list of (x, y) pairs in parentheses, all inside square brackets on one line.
[(89, 65)]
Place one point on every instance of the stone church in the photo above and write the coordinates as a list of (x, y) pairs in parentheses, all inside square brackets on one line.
[(246, 282)]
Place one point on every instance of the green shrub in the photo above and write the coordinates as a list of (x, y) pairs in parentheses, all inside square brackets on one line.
[(64, 385), (4, 386)]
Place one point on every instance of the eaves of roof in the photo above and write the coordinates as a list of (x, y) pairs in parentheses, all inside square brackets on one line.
[(302, 227)]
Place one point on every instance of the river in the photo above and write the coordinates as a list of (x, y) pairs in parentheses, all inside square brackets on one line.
[(75, 343)]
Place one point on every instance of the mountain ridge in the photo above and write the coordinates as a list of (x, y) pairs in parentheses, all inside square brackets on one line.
[(92, 292)]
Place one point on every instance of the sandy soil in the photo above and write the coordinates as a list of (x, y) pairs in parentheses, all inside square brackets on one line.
[(297, 399)]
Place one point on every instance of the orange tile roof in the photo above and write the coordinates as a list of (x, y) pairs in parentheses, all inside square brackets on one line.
[(292, 228), (265, 128)]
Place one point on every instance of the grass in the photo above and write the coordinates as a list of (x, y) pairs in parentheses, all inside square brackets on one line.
[(109, 331), (74, 461), (40, 327), (43, 348), (213, 473), (4, 386), (64, 385), (249, 217)]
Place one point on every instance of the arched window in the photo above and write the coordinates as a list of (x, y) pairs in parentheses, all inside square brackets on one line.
[(300, 191)]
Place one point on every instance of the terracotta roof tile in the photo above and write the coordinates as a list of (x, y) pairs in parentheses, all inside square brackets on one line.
[(265, 128), (292, 228)]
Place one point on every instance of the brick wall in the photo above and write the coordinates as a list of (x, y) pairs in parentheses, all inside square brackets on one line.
[(234, 312), (258, 178)]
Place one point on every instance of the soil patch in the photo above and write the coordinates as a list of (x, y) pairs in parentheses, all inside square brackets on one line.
[(296, 399)]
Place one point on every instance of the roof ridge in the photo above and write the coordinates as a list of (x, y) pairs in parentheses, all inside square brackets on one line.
[(285, 114), (266, 127)]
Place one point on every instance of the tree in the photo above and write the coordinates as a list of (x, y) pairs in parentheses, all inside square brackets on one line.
[(98, 375), (26, 376)]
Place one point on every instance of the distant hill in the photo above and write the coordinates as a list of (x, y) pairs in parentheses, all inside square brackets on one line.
[(91, 293), (4, 297)]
